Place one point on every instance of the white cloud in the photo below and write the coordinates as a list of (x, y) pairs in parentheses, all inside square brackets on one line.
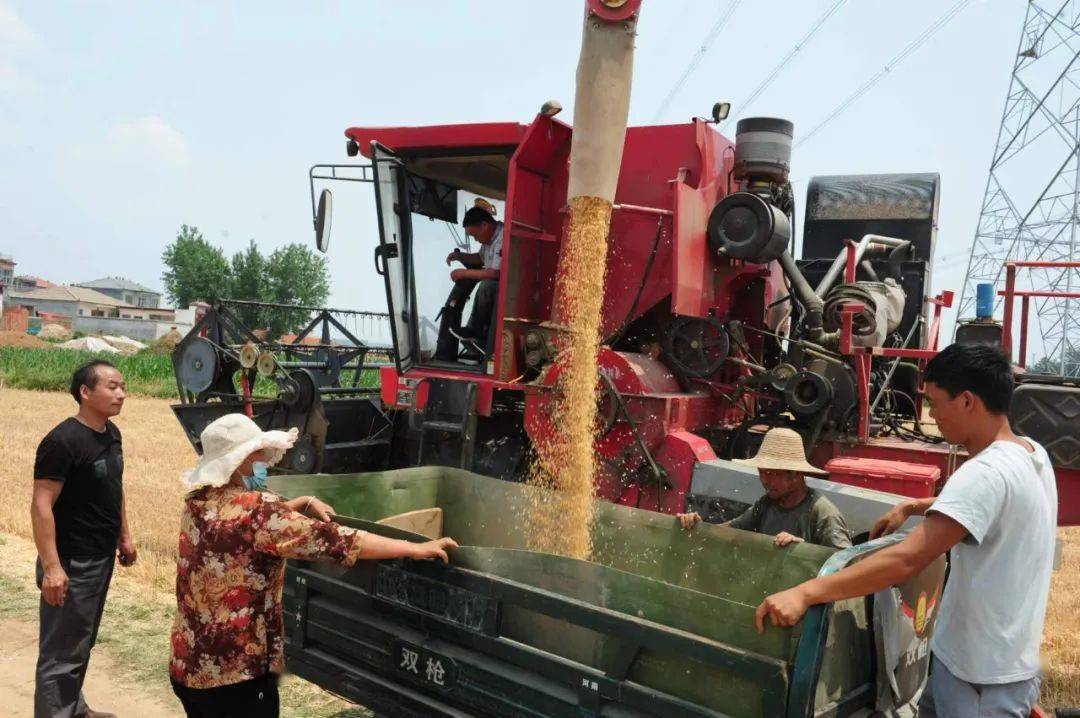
[(150, 139), (14, 33)]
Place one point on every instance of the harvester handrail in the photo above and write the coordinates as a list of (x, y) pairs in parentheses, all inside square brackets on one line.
[(1010, 293)]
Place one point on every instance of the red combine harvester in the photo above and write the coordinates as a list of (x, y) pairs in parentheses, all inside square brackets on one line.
[(713, 331)]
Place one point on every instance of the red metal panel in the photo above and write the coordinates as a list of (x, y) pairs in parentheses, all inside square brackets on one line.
[(690, 293), (938, 455), (388, 381), (536, 193), (1068, 486), (679, 452), (897, 477), (406, 140)]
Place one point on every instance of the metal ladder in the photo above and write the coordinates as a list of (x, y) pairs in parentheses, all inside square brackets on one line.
[(450, 409)]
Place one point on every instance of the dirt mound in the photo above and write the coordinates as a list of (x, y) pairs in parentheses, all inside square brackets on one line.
[(124, 344), (165, 343), (21, 339), (96, 345), (54, 331)]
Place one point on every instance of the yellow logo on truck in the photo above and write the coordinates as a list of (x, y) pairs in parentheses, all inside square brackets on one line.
[(920, 614)]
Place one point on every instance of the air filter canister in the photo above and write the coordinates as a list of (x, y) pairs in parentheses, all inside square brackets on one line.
[(763, 149)]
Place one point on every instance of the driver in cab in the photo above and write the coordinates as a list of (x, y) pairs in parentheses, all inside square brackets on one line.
[(480, 271)]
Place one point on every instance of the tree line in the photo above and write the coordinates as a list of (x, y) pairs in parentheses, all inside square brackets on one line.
[(196, 270)]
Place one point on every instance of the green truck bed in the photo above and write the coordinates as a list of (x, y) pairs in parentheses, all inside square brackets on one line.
[(659, 623)]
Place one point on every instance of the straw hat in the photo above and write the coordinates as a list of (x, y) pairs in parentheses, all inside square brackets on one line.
[(226, 442), (782, 449)]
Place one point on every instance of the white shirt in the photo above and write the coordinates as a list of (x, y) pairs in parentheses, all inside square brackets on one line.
[(491, 254), (991, 619)]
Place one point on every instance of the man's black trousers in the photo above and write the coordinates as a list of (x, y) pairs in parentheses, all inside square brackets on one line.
[(66, 634), (446, 348)]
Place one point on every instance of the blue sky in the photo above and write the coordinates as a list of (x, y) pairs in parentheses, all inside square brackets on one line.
[(119, 121)]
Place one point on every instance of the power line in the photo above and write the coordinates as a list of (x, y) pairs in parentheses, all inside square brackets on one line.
[(900, 57), (710, 37), (786, 59)]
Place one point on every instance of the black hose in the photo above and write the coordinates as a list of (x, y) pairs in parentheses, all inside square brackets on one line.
[(800, 287), (896, 259)]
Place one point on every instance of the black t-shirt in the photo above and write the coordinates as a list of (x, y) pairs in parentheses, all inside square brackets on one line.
[(91, 465)]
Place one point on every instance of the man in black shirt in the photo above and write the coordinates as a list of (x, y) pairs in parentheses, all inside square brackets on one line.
[(80, 528)]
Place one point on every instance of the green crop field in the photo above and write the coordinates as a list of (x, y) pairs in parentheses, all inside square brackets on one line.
[(50, 370), (146, 373)]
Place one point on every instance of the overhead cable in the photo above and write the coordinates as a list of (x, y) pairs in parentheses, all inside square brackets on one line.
[(900, 57), (785, 61), (710, 37)]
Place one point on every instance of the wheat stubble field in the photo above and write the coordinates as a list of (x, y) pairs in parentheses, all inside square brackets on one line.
[(141, 604), (155, 452)]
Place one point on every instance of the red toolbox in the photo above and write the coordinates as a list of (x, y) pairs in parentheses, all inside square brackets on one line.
[(895, 477)]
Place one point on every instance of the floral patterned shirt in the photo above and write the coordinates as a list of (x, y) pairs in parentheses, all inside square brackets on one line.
[(229, 575)]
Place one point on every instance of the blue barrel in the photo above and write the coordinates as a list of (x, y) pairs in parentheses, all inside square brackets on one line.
[(984, 300)]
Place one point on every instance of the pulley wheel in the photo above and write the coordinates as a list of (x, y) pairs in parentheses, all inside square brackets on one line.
[(198, 366), (266, 364), (304, 390), (302, 456), (808, 393), (249, 355), (696, 347), (780, 376)]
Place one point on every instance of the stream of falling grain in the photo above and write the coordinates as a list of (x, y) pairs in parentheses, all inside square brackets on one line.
[(563, 470)]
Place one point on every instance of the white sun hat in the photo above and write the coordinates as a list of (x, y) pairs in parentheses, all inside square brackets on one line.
[(226, 442), (782, 449)]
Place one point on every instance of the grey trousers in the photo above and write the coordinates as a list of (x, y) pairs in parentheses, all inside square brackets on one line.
[(947, 696), (66, 635)]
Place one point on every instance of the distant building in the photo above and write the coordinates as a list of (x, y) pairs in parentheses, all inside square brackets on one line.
[(93, 312), (7, 271), (27, 283), (66, 300), (125, 291)]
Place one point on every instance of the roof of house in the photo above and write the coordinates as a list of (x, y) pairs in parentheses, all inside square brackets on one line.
[(67, 293), (38, 281), (117, 283)]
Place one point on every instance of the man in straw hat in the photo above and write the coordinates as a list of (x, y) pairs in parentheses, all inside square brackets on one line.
[(228, 637), (996, 517), (790, 510)]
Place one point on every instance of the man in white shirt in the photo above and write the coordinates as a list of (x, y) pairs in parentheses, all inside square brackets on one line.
[(997, 516), (480, 270)]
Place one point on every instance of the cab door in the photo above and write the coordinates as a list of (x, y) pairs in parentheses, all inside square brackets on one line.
[(393, 256)]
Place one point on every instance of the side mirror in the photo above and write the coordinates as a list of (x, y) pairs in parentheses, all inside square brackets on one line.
[(322, 220), (720, 111)]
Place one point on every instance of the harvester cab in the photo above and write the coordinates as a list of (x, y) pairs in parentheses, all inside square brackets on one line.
[(435, 174)]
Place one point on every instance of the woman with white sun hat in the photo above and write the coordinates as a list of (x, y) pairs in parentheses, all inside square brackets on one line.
[(228, 637)]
